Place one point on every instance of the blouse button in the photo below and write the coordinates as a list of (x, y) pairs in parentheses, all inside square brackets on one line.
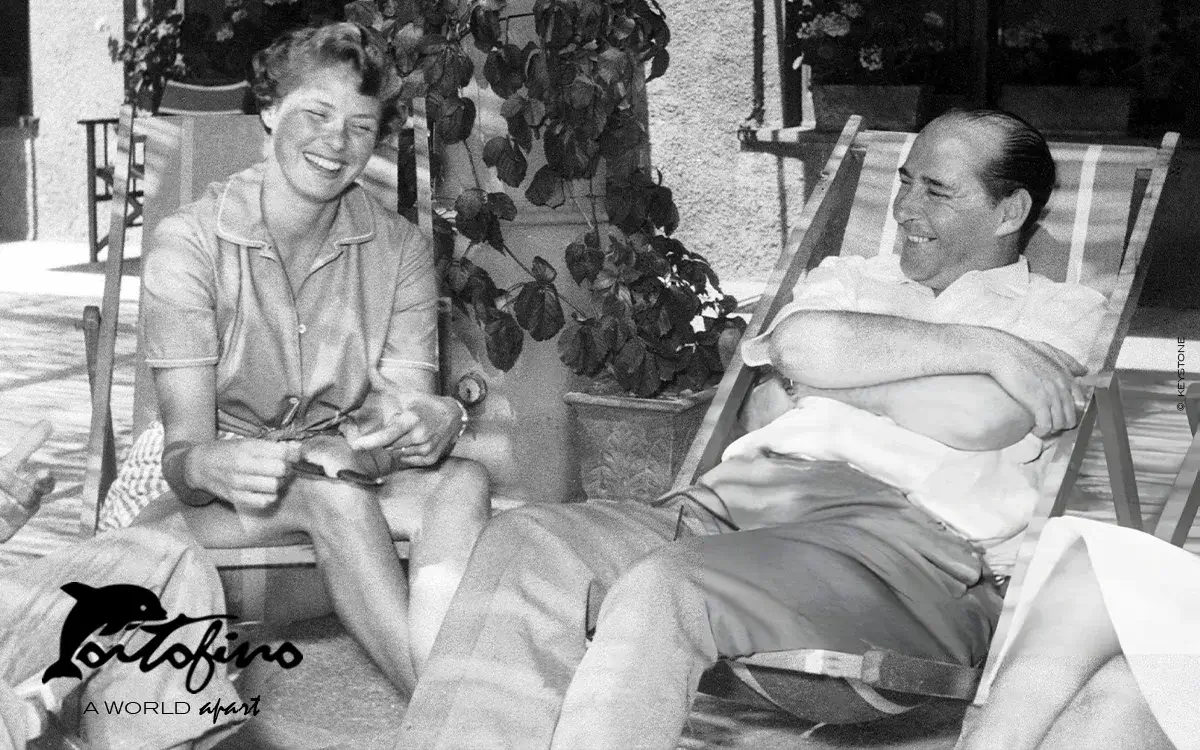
[(302, 329)]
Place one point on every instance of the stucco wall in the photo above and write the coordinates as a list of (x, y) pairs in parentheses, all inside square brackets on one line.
[(733, 205), (73, 78)]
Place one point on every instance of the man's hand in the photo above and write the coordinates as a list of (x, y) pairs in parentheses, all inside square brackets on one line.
[(248, 473), (15, 481), (1043, 380)]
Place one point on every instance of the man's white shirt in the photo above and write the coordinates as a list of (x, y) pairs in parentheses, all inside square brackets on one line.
[(986, 496)]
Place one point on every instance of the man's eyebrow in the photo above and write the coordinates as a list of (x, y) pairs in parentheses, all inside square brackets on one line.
[(931, 181)]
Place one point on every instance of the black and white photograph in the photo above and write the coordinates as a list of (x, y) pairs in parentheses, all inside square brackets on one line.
[(599, 374)]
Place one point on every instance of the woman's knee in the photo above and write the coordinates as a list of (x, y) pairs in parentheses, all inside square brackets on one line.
[(328, 507), (468, 483), (1111, 688)]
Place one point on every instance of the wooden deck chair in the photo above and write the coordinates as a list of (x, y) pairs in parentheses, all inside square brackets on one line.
[(190, 99), (245, 569), (1095, 231)]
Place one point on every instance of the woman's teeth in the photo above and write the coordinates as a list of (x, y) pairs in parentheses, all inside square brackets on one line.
[(919, 240), (327, 164)]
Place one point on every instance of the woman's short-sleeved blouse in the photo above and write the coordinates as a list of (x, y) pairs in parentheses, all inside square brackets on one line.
[(215, 292)]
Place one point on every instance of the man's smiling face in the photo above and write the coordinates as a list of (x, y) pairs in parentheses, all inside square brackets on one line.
[(948, 220)]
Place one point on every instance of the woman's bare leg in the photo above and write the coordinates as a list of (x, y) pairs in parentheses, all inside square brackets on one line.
[(1064, 670), (354, 552), (442, 511), (1110, 712)]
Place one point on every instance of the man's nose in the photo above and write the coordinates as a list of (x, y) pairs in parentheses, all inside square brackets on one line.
[(905, 205)]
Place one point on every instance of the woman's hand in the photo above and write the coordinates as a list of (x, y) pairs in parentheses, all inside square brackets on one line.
[(418, 427), (247, 473)]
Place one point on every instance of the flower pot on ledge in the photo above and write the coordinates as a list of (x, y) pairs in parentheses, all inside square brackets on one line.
[(882, 107), (1070, 109), (630, 448)]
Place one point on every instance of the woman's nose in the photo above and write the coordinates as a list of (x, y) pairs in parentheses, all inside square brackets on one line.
[(335, 132)]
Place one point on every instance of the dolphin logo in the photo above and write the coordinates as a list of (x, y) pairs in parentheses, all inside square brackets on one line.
[(111, 608)]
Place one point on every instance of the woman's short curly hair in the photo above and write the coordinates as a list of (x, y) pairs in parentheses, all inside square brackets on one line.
[(278, 69)]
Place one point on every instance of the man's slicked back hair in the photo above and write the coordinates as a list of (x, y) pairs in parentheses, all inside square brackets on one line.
[(1023, 159)]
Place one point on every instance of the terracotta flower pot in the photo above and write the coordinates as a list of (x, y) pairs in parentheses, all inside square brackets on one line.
[(630, 448), (882, 107)]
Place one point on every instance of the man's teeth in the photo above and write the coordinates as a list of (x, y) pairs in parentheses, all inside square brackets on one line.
[(919, 240), (323, 163)]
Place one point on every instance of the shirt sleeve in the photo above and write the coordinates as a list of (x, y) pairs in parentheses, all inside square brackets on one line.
[(178, 307), (1065, 316), (830, 286), (412, 338)]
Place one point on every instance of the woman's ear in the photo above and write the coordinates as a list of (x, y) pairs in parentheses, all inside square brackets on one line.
[(1014, 209), (269, 116)]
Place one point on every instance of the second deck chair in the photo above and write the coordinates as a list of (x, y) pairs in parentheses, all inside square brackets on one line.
[(1095, 232), (248, 572)]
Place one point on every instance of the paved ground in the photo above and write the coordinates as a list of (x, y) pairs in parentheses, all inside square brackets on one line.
[(336, 698)]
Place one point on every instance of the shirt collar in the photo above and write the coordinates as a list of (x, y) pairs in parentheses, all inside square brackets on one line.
[(240, 219), (1009, 281)]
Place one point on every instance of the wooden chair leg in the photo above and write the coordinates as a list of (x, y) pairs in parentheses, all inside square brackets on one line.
[(91, 343), (1117, 453), (1179, 511), (1191, 404)]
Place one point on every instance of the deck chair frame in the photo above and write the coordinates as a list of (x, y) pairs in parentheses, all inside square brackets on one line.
[(100, 329), (820, 232)]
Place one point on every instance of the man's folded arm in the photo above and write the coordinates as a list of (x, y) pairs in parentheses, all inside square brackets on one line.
[(970, 387), (967, 412), (841, 349)]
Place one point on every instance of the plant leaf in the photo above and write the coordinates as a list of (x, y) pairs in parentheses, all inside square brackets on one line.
[(505, 340), (538, 309), (456, 120), (501, 205), (543, 271), (584, 260), (636, 368), (546, 188), (485, 28), (658, 64), (470, 202), (364, 13), (509, 163)]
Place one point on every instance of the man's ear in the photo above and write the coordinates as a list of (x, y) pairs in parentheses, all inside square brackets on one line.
[(1014, 209)]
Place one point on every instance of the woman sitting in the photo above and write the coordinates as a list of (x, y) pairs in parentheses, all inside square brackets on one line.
[(287, 303)]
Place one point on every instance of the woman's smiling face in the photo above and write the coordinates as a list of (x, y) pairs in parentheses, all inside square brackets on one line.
[(323, 132)]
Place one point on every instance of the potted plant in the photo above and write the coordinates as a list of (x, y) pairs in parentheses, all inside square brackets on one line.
[(1064, 82), (659, 339), (151, 54), (878, 59), (647, 319)]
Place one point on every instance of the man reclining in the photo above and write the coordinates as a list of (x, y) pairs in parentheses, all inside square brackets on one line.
[(873, 515)]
